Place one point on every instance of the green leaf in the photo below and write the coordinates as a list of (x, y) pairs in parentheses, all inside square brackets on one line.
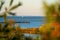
[(2, 3), (11, 2), (11, 13), (15, 6)]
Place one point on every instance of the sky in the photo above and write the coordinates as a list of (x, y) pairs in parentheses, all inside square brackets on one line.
[(29, 7)]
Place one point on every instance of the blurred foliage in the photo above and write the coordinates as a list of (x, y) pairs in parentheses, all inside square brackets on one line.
[(51, 29), (15, 6), (51, 11), (8, 32), (8, 10), (11, 2), (13, 34)]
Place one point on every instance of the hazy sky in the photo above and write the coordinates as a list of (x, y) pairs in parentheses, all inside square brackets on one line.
[(29, 7)]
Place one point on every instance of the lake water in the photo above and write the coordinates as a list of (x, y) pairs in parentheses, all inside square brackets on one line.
[(35, 21)]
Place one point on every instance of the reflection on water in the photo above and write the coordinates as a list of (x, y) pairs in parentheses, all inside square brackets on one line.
[(33, 35)]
